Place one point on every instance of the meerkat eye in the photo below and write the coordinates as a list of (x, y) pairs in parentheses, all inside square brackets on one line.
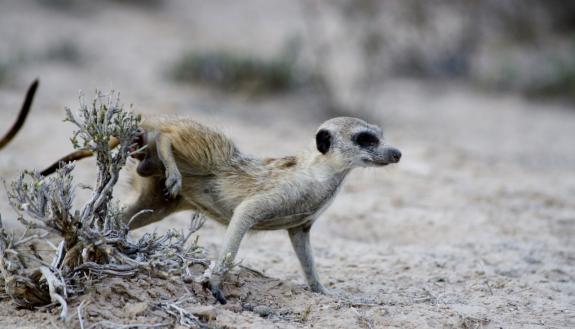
[(366, 139), (323, 141)]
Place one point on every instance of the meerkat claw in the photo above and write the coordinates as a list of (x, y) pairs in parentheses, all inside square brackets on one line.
[(218, 295), (320, 289), (174, 184)]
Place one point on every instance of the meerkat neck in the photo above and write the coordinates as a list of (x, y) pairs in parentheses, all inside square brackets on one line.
[(324, 167)]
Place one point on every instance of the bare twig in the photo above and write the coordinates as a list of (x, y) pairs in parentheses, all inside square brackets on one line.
[(182, 316), (79, 311), (110, 324)]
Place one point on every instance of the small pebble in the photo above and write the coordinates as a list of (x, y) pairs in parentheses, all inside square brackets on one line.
[(262, 310)]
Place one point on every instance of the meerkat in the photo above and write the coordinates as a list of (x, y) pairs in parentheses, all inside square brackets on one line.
[(188, 166)]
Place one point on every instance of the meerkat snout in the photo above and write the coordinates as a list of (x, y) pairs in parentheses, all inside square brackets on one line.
[(395, 155), (387, 156)]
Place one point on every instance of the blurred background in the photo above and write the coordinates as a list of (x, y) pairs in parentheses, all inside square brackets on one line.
[(395, 62), (479, 96)]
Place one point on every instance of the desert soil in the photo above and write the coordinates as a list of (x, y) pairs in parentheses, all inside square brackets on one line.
[(475, 227)]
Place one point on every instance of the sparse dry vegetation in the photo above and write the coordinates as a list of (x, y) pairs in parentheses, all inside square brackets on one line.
[(233, 72), (65, 51), (3, 72), (82, 4), (525, 47), (6, 69)]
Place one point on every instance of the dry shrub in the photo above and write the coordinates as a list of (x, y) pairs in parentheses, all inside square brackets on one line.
[(91, 243)]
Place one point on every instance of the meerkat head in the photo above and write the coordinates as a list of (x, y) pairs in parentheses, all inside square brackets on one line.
[(353, 143)]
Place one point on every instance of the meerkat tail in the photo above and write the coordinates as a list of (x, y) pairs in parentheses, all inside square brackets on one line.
[(74, 156), (25, 109)]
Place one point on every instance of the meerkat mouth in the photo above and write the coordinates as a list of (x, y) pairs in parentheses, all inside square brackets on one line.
[(376, 163)]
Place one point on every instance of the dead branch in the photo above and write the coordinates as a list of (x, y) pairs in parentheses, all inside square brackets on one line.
[(182, 316), (110, 324)]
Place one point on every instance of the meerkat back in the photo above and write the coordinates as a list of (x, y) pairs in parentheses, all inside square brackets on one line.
[(198, 150)]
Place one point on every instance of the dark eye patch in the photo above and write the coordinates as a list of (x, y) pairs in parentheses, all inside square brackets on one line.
[(366, 139)]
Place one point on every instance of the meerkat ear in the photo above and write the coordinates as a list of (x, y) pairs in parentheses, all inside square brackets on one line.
[(323, 141)]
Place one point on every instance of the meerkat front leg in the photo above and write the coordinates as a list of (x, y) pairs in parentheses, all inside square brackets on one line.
[(173, 176), (239, 225), (299, 237)]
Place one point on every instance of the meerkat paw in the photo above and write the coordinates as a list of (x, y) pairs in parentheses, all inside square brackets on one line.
[(138, 143), (319, 288), (174, 184), (214, 287), (336, 294)]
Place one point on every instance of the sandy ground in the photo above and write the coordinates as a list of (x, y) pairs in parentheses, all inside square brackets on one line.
[(474, 228)]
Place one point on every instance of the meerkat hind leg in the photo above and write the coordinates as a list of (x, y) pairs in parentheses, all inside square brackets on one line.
[(151, 206), (143, 214), (299, 237), (173, 176)]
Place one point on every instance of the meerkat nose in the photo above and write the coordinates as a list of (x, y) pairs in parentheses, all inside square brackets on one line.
[(395, 155)]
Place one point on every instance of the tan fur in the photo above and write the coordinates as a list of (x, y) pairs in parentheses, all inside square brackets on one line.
[(199, 148)]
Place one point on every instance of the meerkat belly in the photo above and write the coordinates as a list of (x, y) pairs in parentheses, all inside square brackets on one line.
[(284, 222), (203, 195), (303, 213), (305, 208)]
